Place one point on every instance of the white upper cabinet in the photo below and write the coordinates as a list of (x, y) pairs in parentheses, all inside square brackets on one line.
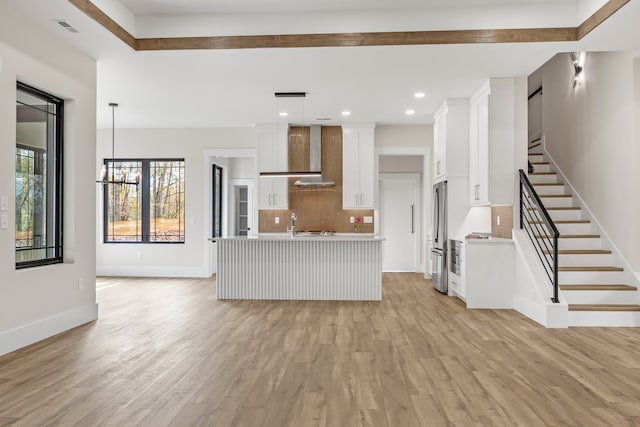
[(492, 138), (451, 139), (357, 167), (479, 148), (272, 157), (440, 144)]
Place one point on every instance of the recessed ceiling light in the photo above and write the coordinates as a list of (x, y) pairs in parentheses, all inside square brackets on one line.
[(346, 113), (419, 95), (410, 112), (283, 114)]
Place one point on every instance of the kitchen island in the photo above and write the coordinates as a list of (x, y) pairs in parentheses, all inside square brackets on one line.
[(282, 267)]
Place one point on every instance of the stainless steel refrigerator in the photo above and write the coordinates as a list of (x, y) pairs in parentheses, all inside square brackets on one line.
[(439, 276)]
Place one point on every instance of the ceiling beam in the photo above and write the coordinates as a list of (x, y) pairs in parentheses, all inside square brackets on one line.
[(396, 38), (601, 15), (95, 13), (399, 38)]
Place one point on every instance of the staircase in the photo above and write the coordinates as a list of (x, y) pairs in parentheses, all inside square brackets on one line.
[(599, 292)]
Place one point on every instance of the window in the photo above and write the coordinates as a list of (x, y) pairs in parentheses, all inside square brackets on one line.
[(39, 129), (149, 212)]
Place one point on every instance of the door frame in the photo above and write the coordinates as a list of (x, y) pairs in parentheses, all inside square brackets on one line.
[(424, 240), (209, 157), (415, 177), (241, 182)]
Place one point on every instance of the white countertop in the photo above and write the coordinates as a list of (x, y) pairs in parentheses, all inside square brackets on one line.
[(491, 240), (361, 237)]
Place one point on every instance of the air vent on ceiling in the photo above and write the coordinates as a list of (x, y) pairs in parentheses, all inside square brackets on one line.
[(323, 119), (67, 26)]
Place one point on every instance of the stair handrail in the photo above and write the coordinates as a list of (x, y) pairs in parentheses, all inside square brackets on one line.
[(533, 211)]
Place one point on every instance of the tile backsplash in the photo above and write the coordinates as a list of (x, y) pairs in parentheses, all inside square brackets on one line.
[(505, 213), (317, 208)]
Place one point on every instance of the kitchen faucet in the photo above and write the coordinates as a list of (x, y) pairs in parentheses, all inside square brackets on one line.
[(292, 228)]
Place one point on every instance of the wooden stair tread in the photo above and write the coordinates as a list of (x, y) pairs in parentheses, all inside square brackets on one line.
[(580, 252), (534, 145), (543, 173), (535, 154), (570, 236), (559, 208), (565, 221), (590, 268), (598, 287), (547, 184), (554, 195), (604, 307), (540, 163)]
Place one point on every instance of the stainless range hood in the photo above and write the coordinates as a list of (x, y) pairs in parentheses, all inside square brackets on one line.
[(315, 162)]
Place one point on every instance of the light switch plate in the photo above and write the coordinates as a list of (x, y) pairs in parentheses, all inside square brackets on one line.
[(4, 204), (277, 220), (351, 219), (368, 219), (4, 222)]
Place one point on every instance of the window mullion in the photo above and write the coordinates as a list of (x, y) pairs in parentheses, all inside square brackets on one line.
[(146, 200)]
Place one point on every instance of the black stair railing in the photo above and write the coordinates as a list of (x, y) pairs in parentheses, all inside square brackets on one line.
[(542, 232)]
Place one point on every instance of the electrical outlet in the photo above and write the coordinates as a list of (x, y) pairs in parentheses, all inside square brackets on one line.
[(277, 220), (498, 220), (80, 283), (351, 219), (368, 219), (4, 222), (4, 204)]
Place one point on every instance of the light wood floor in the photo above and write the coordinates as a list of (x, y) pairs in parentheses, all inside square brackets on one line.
[(166, 352)]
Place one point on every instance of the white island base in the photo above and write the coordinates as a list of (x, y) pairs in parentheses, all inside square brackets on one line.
[(299, 268)]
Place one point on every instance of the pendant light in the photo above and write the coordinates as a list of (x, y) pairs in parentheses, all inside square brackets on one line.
[(112, 178)]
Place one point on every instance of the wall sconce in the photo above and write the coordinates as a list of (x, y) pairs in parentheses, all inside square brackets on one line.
[(578, 60)]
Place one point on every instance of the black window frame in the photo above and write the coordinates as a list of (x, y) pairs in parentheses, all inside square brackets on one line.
[(57, 204), (216, 201), (145, 197)]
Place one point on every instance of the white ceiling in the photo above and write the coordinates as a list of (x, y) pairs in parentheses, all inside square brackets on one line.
[(212, 88)]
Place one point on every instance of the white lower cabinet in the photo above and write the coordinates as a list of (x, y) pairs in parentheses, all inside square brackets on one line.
[(456, 284), (488, 273)]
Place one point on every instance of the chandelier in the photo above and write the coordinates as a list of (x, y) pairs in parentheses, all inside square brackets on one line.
[(109, 175)]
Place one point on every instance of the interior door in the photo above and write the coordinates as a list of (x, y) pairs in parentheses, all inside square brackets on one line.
[(399, 221)]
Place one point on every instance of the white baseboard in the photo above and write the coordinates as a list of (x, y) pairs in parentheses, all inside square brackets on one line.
[(23, 336), (152, 271)]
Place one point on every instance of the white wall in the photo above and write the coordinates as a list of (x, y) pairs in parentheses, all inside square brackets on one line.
[(36, 303), (591, 132), (404, 136), (400, 164), (189, 259)]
